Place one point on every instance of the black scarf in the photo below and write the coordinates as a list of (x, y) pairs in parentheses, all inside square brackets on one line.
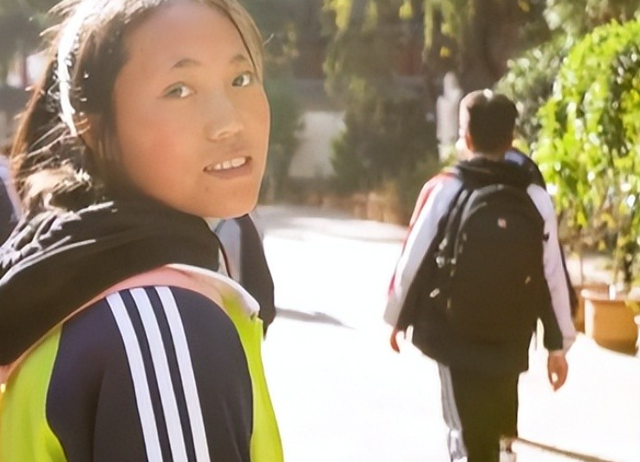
[(55, 262), (480, 171)]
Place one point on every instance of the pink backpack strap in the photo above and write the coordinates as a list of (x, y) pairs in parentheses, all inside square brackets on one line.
[(159, 276), (163, 276), (184, 277)]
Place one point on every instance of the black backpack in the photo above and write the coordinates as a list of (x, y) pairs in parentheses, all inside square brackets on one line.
[(488, 276), (255, 275)]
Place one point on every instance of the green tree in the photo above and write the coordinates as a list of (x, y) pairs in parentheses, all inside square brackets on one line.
[(589, 141), (21, 22), (529, 83), (476, 38), (283, 141), (385, 128), (276, 21), (531, 75), (578, 17)]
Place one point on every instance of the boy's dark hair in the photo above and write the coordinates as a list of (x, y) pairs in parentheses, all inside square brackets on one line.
[(491, 119)]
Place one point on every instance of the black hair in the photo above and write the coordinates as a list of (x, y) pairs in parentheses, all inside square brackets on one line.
[(491, 120)]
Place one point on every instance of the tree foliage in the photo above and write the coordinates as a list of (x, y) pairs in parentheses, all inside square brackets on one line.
[(283, 140), (475, 38), (529, 83), (589, 142), (385, 129), (21, 22), (384, 138), (577, 17), (531, 75)]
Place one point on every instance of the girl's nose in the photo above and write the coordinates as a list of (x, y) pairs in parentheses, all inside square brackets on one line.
[(223, 119)]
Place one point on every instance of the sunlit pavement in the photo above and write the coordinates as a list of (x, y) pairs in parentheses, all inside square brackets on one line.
[(341, 394)]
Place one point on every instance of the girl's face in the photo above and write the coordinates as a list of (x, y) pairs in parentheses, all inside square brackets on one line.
[(191, 116)]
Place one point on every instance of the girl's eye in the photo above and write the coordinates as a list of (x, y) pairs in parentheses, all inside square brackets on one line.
[(179, 91), (244, 79)]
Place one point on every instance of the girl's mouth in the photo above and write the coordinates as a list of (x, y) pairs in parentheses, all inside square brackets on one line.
[(231, 164)]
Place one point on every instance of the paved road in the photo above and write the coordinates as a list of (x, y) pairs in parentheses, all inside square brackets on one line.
[(342, 395)]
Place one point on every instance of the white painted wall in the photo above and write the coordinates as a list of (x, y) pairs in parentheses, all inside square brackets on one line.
[(312, 159)]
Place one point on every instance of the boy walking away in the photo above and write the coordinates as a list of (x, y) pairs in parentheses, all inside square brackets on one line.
[(480, 265)]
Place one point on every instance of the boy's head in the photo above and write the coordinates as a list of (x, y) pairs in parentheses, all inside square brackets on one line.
[(487, 122)]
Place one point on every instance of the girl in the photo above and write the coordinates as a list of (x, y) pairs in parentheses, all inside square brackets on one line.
[(119, 342)]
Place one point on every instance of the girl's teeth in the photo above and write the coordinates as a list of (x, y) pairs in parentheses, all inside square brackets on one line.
[(238, 162), (223, 166), (229, 164)]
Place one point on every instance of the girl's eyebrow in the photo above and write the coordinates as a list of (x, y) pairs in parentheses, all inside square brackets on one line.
[(240, 58), (186, 62)]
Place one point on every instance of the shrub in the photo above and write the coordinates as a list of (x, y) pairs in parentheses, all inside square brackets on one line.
[(589, 143)]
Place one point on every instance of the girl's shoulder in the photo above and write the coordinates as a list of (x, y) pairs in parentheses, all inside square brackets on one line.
[(160, 312), (179, 300), (149, 358)]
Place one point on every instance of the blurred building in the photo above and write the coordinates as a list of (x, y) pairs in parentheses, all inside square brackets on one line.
[(322, 121)]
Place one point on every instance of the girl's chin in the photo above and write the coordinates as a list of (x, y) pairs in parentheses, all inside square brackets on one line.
[(236, 207), (222, 203)]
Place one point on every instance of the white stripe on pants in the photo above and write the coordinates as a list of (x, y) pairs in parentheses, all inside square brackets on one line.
[(457, 449)]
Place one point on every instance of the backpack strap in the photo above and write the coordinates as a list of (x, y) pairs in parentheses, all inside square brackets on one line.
[(407, 310), (451, 220), (425, 270), (212, 285), (447, 230)]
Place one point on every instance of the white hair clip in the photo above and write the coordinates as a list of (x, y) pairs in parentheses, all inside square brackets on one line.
[(68, 41)]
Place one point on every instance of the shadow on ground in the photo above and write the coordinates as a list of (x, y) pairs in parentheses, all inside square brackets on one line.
[(314, 317)]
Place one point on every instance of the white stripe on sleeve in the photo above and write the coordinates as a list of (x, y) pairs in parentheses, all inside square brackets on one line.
[(139, 376), (163, 375), (186, 373)]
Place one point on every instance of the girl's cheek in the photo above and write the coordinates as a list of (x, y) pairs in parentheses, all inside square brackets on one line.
[(155, 142)]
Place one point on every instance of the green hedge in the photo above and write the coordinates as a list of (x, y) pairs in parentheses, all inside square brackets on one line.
[(589, 143)]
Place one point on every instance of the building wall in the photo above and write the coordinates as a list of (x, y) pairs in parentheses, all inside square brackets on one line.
[(313, 157)]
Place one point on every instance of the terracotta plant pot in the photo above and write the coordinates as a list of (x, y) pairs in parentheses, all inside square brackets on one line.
[(636, 318), (610, 321), (578, 317)]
